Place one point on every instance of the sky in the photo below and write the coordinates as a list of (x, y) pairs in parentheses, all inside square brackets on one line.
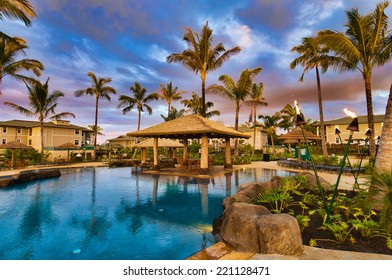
[(129, 40)]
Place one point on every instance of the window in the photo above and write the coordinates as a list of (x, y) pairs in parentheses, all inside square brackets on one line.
[(77, 131), (337, 140), (30, 142), (4, 129), (19, 130), (77, 142), (18, 140), (3, 141), (30, 131)]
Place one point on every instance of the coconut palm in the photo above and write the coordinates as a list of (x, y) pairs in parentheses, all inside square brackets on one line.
[(10, 66), (287, 115), (169, 94), (173, 114), (42, 105), (256, 99), (17, 9), (101, 90), (236, 91), (269, 125), (314, 56), (193, 106), (201, 57), (365, 44), (139, 100)]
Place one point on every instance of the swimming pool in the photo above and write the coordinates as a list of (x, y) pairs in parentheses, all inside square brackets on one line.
[(112, 214)]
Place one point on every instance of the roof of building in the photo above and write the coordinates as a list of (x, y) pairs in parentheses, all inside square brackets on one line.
[(122, 138), (347, 120), (31, 124)]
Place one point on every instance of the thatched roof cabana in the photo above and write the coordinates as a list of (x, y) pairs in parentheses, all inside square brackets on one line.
[(167, 143), (190, 127), (14, 145)]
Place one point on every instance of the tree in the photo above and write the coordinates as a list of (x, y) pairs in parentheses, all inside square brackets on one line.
[(173, 114), (42, 106), (193, 105), (313, 56), (365, 44), (139, 100), (10, 66), (201, 57), (101, 90), (269, 125), (17, 9), (169, 94), (287, 115), (236, 91), (256, 99)]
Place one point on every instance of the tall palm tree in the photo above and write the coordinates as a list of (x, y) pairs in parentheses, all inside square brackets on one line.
[(173, 114), (365, 44), (9, 65), (236, 91), (17, 9), (42, 106), (169, 93), (256, 99), (313, 56), (139, 100), (201, 57), (101, 90), (193, 106), (269, 125), (287, 115)]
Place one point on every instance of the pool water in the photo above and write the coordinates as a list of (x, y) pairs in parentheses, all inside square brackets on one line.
[(112, 214)]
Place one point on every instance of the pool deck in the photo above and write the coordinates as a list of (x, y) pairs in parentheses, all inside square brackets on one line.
[(220, 250)]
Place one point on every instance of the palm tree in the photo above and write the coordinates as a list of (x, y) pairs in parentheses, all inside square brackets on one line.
[(287, 115), (169, 94), (237, 92), (173, 114), (269, 125), (139, 100), (313, 56), (201, 57), (42, 106), (365, 44), (193, 106), (17, 9), (9, 50), (101, 90), (256, 99)]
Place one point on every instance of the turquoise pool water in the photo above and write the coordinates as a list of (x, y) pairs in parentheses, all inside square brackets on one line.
[(112, 214)]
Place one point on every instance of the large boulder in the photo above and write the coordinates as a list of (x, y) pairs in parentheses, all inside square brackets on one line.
[(279, 234), (239, 226)]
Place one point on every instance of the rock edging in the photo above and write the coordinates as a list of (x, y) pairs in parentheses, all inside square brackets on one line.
[(27, 176)]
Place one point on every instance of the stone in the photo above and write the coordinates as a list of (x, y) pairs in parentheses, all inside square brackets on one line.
[(251, 190), (279, 234), (239, 226), (48, 173), (313, 182)]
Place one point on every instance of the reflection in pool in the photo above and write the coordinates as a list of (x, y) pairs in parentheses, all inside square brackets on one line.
[(104, 214)]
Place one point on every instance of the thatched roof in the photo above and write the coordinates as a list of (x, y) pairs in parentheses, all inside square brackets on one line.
[(14, 145), (148, 143), (190, 126), (296, 134)]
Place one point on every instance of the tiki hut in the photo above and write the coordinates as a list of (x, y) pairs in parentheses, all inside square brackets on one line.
[(14, 145), (296, 136), (191, 127), (162, 143)]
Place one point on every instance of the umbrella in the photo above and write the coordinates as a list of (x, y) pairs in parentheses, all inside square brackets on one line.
[(68, 146), (14, 145), (296, 136)]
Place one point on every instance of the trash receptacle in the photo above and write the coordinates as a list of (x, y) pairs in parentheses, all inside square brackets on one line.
[(266, 157)]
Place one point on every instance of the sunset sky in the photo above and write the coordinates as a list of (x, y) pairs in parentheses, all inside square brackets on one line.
[(129, 40)]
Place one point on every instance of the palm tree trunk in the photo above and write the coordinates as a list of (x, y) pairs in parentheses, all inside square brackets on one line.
[(237, 111), (272, 143), (168, 109), (96, 128), (384, 154), (203, 97), (41, 126), (369, 104), (138, 119), (254, 131), (322, 128)]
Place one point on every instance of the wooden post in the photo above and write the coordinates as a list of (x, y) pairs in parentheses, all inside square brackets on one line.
[(143, 155), (185, 152), (228, 164), (155, 147), (204, 155)]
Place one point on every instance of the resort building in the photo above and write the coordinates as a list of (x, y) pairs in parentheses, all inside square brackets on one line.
[(341, 125), (123, 140), (261, 137), (55, 133)]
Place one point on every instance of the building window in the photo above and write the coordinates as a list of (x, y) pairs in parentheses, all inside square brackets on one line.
[(77, 131), (77, 142), (30, 131), (337, 140), (18, 140), (30, 142), (3, 141), (19, 130), (4, 129)]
